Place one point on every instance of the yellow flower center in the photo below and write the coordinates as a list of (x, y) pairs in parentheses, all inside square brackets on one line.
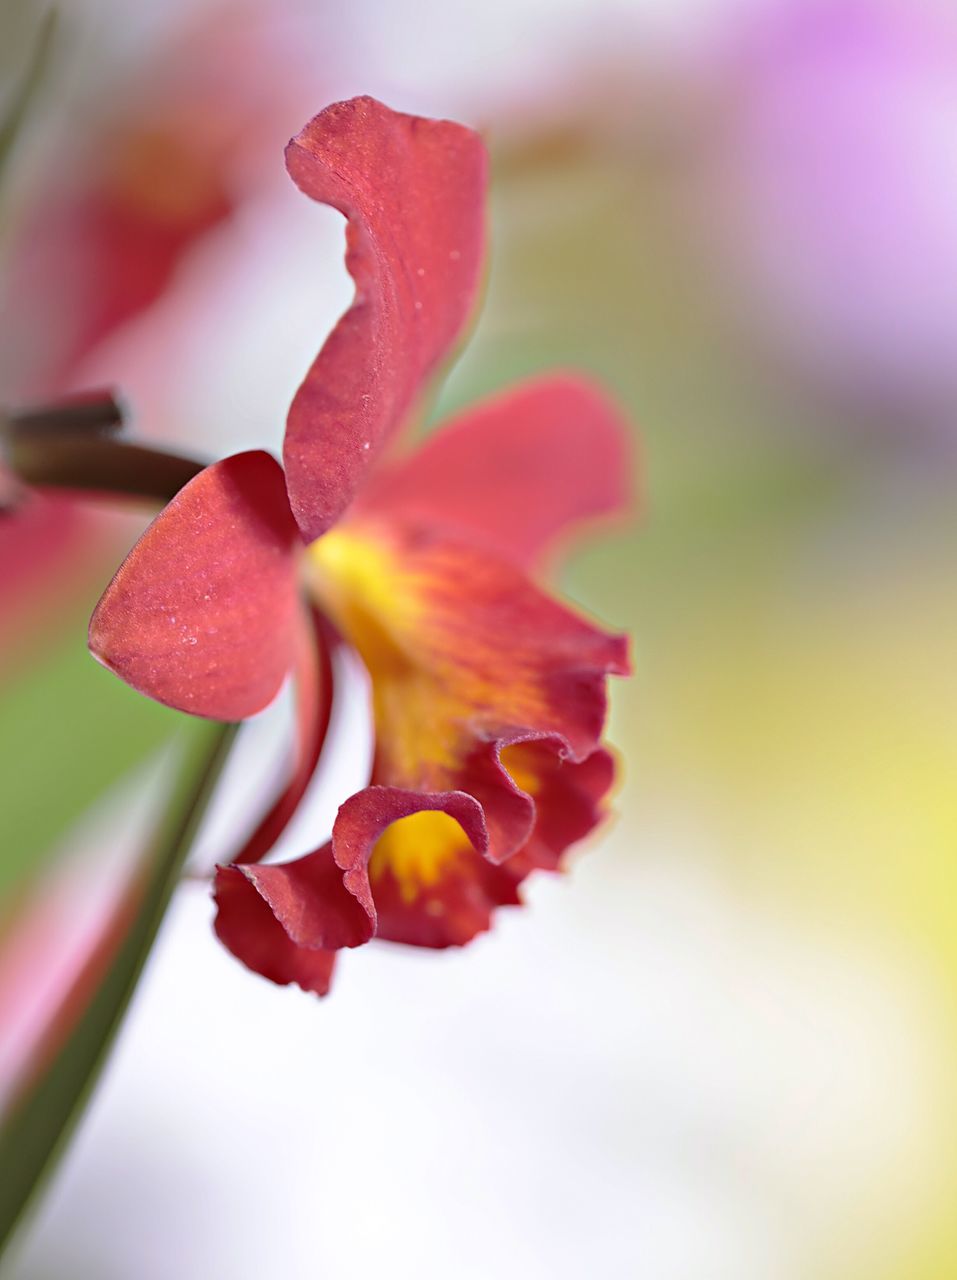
[(418, 850), (438, 680), (378, 605)]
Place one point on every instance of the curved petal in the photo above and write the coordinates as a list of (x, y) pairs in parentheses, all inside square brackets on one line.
[(416, 864), (202, 614), (481, 685), (462, 648), (432, 887), (489, 703), (314, 690), (366, 817), (517, 471), (568, 799), (284, 921), (246, 925), (413, 191), (323, 901), (308, 898)]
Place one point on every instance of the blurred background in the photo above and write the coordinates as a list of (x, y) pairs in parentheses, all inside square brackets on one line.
[(724, 1046)]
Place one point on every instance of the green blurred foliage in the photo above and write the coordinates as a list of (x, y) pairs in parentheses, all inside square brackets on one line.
[(68, 731), (27, 72), (37, 1127)]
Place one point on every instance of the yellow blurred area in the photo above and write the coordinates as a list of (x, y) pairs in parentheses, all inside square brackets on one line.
[(790, 590)]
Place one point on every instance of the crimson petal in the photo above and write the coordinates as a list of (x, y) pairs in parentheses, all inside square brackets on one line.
[(365, 817), (517, 470), (202, 614), (413, 191), (449, 911), (245, 924), (569, 801), (314, 689), (277, 918), (305, 897)]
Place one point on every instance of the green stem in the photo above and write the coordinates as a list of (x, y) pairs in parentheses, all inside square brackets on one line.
[(40, 1123), (33, 76)]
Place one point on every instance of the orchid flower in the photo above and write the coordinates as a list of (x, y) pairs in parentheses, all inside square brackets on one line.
[(488, 697)]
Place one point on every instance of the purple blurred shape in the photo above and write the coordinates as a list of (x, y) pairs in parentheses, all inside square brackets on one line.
[(838, 165)]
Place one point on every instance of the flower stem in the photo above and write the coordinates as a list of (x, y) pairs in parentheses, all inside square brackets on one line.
[(41, 1120), (70, 445), (19, 108), (90, 413), (99, 465)]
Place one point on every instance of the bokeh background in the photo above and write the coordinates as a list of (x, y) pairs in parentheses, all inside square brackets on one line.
[(724, 1046)]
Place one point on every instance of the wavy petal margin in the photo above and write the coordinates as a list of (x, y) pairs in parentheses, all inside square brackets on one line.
[(415, 865), (413, 191), (247, 926), (489, 703)]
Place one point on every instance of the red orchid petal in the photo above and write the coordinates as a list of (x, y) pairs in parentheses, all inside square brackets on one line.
[(468, 659), (448, 911), (277, 918), (444, 896), (246, 925), (462, 649), (104, 241), (482, 687), (308, 899), (380, 874), (489, 702), (413, 191), (568, 799), (36, 535), (323, 901), (365, 817), (203, 613), (314, 687), (509, 811), (516, 471), (425, 893), (131, 194)]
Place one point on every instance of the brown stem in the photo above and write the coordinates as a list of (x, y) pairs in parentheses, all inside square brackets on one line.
[(70, 445), (94, 412), (98, 465)]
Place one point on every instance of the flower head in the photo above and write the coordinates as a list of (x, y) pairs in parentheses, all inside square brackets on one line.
[(488, 696)]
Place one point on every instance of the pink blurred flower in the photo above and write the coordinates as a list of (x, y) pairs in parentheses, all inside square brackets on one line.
[(134, 186), (838, 170), (58, 938), (135, 182)]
